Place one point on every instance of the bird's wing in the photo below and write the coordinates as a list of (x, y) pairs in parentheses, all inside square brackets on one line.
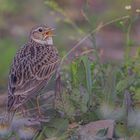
[(31, 70)]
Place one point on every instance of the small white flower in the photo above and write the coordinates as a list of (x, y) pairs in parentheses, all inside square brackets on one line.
[(128, 7), (138, 10)]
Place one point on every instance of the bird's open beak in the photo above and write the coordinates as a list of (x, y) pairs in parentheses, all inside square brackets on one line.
[(48, 32)]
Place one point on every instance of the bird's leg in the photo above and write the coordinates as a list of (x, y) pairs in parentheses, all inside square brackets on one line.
[(23, 111)]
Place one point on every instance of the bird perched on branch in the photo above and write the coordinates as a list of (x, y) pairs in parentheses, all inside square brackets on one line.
[(32, 67)]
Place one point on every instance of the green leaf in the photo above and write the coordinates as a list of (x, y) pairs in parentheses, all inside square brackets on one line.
[(56, 127), (125, 83), (86, 63), (74, 71), (102, 132), (89, 82), (60, 124)]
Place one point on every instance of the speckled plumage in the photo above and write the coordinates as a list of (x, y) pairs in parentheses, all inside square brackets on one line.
[(32, 68)]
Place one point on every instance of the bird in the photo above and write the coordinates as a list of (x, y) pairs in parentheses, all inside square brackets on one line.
[(32, 68)]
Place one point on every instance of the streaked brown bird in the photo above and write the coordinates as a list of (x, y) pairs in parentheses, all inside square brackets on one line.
[(32, 67)]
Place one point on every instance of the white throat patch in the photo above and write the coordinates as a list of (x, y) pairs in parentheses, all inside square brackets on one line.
[(48, 41)]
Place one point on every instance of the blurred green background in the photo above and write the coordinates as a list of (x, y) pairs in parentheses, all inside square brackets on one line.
[(72, 20)]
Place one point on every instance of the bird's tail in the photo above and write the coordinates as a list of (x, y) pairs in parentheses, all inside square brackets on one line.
[(10, 110), (9, 115)]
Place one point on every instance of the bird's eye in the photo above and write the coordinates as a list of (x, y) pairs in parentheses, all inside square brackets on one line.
[(40, 30)]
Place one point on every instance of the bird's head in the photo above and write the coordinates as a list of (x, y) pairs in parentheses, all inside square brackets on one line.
[(42, 34)]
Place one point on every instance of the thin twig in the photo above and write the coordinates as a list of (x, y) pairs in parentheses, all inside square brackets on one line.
[(85, 52)]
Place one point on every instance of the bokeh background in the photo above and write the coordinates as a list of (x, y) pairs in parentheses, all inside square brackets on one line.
[(72, 20)]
